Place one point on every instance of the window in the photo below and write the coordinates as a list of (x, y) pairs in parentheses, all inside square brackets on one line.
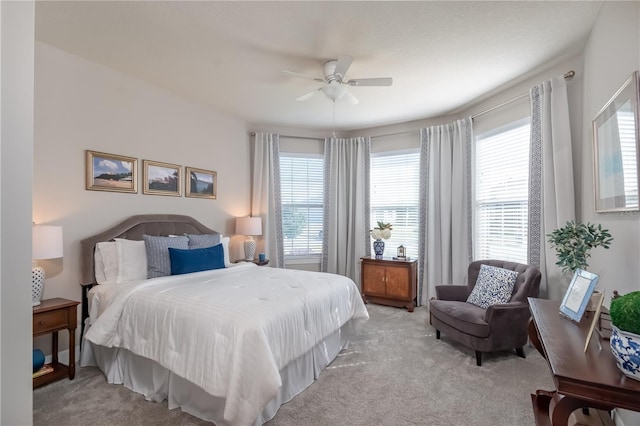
[(394, 184), (502, 193), (301, 181), (626, 129)]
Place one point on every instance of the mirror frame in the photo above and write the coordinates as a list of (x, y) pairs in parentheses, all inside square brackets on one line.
[(627, 92)]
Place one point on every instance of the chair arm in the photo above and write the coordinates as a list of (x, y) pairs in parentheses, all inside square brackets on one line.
[(458, 293), (508, 315)]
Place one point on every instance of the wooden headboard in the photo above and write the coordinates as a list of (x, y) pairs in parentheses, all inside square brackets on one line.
[(132, 229)]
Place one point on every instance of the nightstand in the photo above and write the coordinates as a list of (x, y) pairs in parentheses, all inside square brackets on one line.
[(256, 261), (51, 316), (389, 282)]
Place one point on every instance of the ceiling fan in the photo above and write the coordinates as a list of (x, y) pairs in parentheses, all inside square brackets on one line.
[(335, 86)]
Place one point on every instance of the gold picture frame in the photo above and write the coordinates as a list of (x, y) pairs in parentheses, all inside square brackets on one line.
[(111, 172), (161, 178), (200, 183)]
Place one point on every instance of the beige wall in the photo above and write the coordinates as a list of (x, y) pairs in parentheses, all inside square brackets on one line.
[(82, 105), (611, 55)]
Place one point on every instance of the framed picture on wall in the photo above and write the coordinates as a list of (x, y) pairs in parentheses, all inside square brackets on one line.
[(110, 172), (200, 183), (161, 178)]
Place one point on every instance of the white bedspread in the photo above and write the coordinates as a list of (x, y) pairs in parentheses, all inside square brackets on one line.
[(229, 331)]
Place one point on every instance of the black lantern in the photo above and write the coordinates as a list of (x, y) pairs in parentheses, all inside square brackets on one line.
[(402, 252)]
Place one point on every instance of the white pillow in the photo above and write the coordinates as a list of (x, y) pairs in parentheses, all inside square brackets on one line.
[(106, 262), (132, 260), (225, 248)]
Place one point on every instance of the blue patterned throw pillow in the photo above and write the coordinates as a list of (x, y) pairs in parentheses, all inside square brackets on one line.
[(158, 262), (493, 286)]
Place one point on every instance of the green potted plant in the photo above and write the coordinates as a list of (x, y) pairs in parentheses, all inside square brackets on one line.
[(574, 241), (625, 334)]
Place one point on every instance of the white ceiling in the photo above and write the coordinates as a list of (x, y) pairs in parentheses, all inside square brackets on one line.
[(230, 55)]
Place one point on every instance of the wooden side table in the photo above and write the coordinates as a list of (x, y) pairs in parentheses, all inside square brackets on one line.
[(51, 316), (389, 282), (256, 261)]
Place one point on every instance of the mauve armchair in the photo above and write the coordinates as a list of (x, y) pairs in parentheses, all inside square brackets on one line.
[(499, 327)]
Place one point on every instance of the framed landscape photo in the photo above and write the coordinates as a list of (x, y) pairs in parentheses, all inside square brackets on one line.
[(578, 294), (110, 172), (200, 183), (161, 178)]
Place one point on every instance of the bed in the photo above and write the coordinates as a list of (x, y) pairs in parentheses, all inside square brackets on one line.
[(228, 345)]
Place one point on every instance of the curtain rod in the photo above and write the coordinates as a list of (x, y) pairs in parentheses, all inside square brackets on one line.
[(321, 139), (293, 137), (567, 76)]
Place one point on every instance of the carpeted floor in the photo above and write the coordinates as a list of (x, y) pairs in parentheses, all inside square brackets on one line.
[(394, 373)]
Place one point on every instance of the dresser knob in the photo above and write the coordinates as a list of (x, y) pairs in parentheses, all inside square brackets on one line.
[(41, 322)]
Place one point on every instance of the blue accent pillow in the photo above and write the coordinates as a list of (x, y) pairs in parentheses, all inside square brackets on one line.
[(196, 260), (493, 286)]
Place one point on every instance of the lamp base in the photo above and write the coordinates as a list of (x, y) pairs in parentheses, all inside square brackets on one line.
[(37, 284), (249, 249)]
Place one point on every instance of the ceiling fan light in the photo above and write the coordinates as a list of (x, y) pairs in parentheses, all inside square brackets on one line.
[(334, 91)]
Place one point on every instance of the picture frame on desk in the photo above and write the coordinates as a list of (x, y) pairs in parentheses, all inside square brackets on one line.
[(575, 300)]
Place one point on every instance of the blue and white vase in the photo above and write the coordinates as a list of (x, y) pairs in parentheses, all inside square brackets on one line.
[(625, 347), (378, 247)]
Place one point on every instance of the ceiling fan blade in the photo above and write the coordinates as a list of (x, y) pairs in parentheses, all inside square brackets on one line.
[(352, 99), (383, 81), (342, 65), (308, 95), (308, 77)]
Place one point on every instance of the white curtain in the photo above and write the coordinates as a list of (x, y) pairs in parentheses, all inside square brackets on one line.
[(265, 197), (445, 203), (346, 205), (551, 189)]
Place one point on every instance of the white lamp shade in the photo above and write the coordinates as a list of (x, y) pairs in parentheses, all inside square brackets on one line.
[(46, 242), (249, 226)]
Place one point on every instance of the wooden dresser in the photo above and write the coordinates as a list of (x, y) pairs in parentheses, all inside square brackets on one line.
[(389, 282)]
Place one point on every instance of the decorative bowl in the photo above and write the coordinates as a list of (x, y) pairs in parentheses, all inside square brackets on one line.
[(38, 360), (625, 347)]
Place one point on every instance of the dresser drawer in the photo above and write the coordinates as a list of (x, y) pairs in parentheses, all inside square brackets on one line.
[(50, 321)]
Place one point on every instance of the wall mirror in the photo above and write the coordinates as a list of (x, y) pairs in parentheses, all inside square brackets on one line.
[(615, 150)]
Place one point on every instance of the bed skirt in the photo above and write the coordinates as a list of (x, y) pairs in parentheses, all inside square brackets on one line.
[(156, 383)]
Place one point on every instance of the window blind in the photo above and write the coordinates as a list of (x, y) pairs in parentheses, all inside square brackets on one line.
[(394, 196), (301, 182), (501, 193)]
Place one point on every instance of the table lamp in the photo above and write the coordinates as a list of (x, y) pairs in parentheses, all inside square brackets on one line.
[(46, 243), (249, 226)]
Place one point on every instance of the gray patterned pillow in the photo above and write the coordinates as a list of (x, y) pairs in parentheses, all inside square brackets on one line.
[(158, 261), (493, 286), (197, 241)]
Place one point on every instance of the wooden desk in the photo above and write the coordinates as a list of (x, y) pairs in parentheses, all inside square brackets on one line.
[(589, 379)]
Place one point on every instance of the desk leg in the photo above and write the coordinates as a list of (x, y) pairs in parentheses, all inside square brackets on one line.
[(561, 407), (72, 353), (532, 330), (54, 347)]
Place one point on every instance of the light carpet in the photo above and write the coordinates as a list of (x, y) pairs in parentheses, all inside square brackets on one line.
[(394, 373)]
